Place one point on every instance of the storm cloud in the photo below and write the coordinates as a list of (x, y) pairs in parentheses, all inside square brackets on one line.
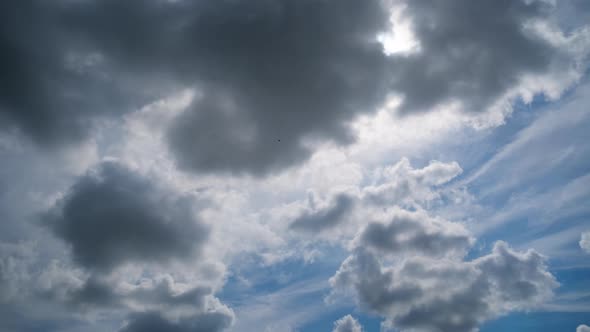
[(112, 216)]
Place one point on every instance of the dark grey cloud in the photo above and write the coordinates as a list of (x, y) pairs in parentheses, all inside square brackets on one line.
[(270, 75), (416, 233), (471, 52), (94, 293), (111, 216), (269, 71), (155, 322), (325, 218), (279, 70), (50, 89)]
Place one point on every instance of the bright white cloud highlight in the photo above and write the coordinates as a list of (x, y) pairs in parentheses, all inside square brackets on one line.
[(347, 324)]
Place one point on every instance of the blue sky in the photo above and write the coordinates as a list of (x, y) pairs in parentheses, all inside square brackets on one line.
[(344, 166), (534, 206)]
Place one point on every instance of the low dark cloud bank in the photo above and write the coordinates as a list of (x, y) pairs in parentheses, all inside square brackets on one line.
[(264, 70)]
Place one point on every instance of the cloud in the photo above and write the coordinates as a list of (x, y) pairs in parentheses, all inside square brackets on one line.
[(162, 293), (112, 216), (396, 185), (47, 294), (287, 74), (435, 289), (49, 88), (325, 218), (583, 328), (585, 242), (267, 71), (158, 305), (461, 59), (154, 322), (403, 185), (416, 232), (347, 324), (271, 78)]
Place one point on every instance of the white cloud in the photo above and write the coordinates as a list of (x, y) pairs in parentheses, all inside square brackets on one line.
[(347, 324), (583, 328)]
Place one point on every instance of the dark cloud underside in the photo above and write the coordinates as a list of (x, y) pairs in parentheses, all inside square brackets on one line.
[(114, 216), (154, 322), (264, 70), (329, 217)]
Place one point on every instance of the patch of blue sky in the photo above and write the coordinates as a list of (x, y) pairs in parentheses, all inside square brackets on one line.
[(529, 176), (537, 321)]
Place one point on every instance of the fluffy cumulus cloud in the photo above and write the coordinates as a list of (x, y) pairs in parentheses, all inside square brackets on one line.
[(435, 289), (111, 216), (415, 232), (583, 328), (399, 185), (347, 324), (585, 242), (163, 160), (136, 247), (272, 77), (403, 185)]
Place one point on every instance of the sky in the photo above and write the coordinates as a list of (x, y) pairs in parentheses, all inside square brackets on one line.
[(282, 165)]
